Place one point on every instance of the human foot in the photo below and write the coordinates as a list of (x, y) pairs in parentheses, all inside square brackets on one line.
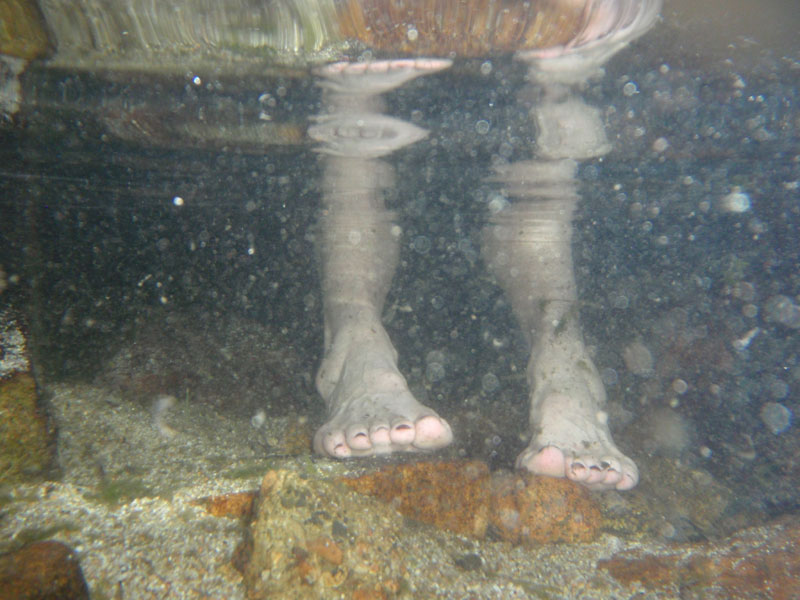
[(371, 408), (572, 442), (570, 428), (353, 124)]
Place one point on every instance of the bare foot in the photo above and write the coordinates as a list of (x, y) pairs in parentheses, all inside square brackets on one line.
[(570, 431), (579, 447), (371, 408)]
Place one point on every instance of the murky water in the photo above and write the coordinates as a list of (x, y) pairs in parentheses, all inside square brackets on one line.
[(687, 241)]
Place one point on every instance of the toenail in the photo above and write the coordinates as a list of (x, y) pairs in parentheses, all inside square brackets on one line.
[(604, 465)]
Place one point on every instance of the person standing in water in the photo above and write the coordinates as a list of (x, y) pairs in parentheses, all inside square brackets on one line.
[(526, 243)]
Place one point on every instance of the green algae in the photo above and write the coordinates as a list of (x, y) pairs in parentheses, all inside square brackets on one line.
[(122, 490)]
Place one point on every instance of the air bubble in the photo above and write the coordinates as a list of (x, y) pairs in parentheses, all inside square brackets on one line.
[(776, 417), (620, 302), (630, 89), (609, 376), (497, 203), (421, 244), (490, 383), (782, 310), (660, 145), (482, 127), (736, 202), (679, 386), (434, 372)]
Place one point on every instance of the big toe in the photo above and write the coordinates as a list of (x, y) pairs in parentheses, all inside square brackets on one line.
[(548, 461), (432, 432)]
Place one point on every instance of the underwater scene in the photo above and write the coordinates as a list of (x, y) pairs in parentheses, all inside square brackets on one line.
[(365, 299)]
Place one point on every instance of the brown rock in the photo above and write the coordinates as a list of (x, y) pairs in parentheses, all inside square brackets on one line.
[(541, 510), (448, 495), (42, 571), (758, 563)]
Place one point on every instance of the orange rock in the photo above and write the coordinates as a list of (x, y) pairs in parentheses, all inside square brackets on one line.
[(540, 510), (236, 504), (460, 495), (450, 495)]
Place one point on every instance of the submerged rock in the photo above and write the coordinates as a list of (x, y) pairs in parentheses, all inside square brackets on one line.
[(529, 509), (25, 448), (755, 563), (462, 497), (313, 538), (449, 495), (42, 571)]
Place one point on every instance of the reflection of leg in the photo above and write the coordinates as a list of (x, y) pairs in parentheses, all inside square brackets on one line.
[(371, 409)]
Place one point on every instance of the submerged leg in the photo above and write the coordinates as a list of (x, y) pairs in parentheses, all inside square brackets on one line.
[(371, 410), (527, 245)]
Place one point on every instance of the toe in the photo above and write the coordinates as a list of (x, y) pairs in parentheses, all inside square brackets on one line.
[(358, 438), (629, 476), (432, 432), (547, 461), (612, 478), (334, 444), (402, 433), (577, 471), (379, 434)]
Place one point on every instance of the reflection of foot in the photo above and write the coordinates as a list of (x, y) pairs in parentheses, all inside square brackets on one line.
[(353, 125), (570, 435), (610, 25), (372, 78), (372, 411)]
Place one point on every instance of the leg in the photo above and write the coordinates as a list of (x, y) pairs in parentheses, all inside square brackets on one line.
[(528, 248), (371, 410)]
